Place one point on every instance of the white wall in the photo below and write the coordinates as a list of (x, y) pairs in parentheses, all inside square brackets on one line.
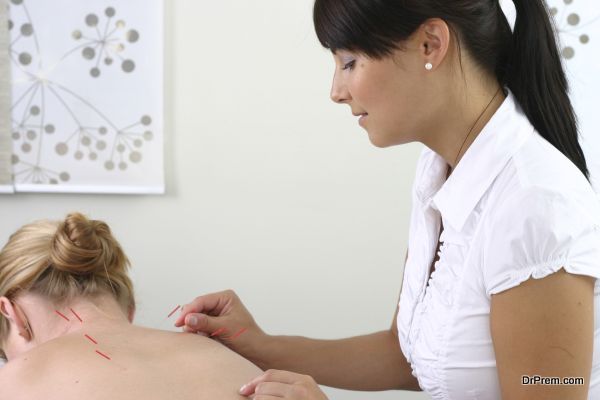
[(273, 190)]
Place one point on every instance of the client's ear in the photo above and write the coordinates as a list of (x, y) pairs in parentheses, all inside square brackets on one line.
[(6, 308), (15, 318)]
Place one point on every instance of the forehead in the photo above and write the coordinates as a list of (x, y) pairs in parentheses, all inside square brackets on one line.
[(339, 53), (345, 56)]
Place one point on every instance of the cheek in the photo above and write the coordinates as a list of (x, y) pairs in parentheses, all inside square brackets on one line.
[(393, 105), (380, 89), (396, 120), (402, 100), (393, 99), (361, 90)]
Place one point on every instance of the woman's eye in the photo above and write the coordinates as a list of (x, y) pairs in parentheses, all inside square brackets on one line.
[(349, 65)]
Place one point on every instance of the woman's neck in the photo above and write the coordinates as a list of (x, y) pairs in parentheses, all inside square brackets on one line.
[(49, 322), (462, 116)]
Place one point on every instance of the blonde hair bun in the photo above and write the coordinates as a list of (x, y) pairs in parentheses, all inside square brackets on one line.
[(84, 246), (62, 260)]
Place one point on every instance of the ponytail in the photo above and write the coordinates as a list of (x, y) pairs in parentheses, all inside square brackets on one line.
[(535, 75)]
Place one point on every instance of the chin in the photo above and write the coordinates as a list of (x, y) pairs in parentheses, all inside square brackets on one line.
[(379, 141)]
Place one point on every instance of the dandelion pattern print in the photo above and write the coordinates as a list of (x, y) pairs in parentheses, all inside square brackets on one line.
[(87, 101)]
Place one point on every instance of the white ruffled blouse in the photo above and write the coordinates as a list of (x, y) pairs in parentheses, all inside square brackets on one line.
[(513, 208)]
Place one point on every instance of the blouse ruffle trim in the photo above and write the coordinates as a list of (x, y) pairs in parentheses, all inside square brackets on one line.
[(539, 271)]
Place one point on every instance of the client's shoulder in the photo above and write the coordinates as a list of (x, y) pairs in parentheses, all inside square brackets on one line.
[(193, 345), (15, 376), (214, 365)]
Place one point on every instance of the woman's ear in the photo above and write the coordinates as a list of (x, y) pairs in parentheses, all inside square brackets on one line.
[(6, 308), (435, 40), (15, 318)]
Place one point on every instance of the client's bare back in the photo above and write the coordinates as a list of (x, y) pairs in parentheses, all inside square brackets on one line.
[(127, 363)]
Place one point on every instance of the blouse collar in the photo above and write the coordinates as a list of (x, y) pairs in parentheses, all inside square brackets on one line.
[(499, 140)]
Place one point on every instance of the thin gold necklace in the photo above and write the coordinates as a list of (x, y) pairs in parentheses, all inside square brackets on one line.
[(471, 130)]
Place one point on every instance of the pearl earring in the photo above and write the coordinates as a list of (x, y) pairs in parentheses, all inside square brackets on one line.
[(429, 66)]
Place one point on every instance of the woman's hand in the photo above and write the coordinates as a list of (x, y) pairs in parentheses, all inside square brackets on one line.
[(222, 316), (275, 384)]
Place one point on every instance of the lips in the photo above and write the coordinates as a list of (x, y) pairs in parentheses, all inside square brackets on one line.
[(362, 119)]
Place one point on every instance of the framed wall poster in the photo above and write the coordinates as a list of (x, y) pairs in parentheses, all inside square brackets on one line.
[(87, 96), (6, 183)]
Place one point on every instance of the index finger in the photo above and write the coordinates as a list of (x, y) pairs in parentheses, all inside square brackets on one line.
[(202, 304)]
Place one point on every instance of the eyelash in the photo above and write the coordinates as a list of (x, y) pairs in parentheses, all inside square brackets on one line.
[(349, 65)]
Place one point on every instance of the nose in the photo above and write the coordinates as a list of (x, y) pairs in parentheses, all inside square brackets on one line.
[(339, 91)]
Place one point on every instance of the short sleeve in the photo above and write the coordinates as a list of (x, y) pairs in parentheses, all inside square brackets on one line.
[(536, 233)]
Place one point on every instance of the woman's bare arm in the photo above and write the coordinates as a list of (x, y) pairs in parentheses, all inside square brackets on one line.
[(545, 327), (367, 363)]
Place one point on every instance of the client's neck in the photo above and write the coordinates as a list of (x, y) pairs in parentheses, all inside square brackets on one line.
[(98, 312), (49, 321)]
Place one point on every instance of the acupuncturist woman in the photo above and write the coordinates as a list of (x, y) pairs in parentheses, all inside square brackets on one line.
[(500, 279)]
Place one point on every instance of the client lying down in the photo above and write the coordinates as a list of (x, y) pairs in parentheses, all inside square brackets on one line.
[(66, 306)]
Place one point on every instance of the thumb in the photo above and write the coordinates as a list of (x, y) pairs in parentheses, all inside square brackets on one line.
[(201, 323)]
